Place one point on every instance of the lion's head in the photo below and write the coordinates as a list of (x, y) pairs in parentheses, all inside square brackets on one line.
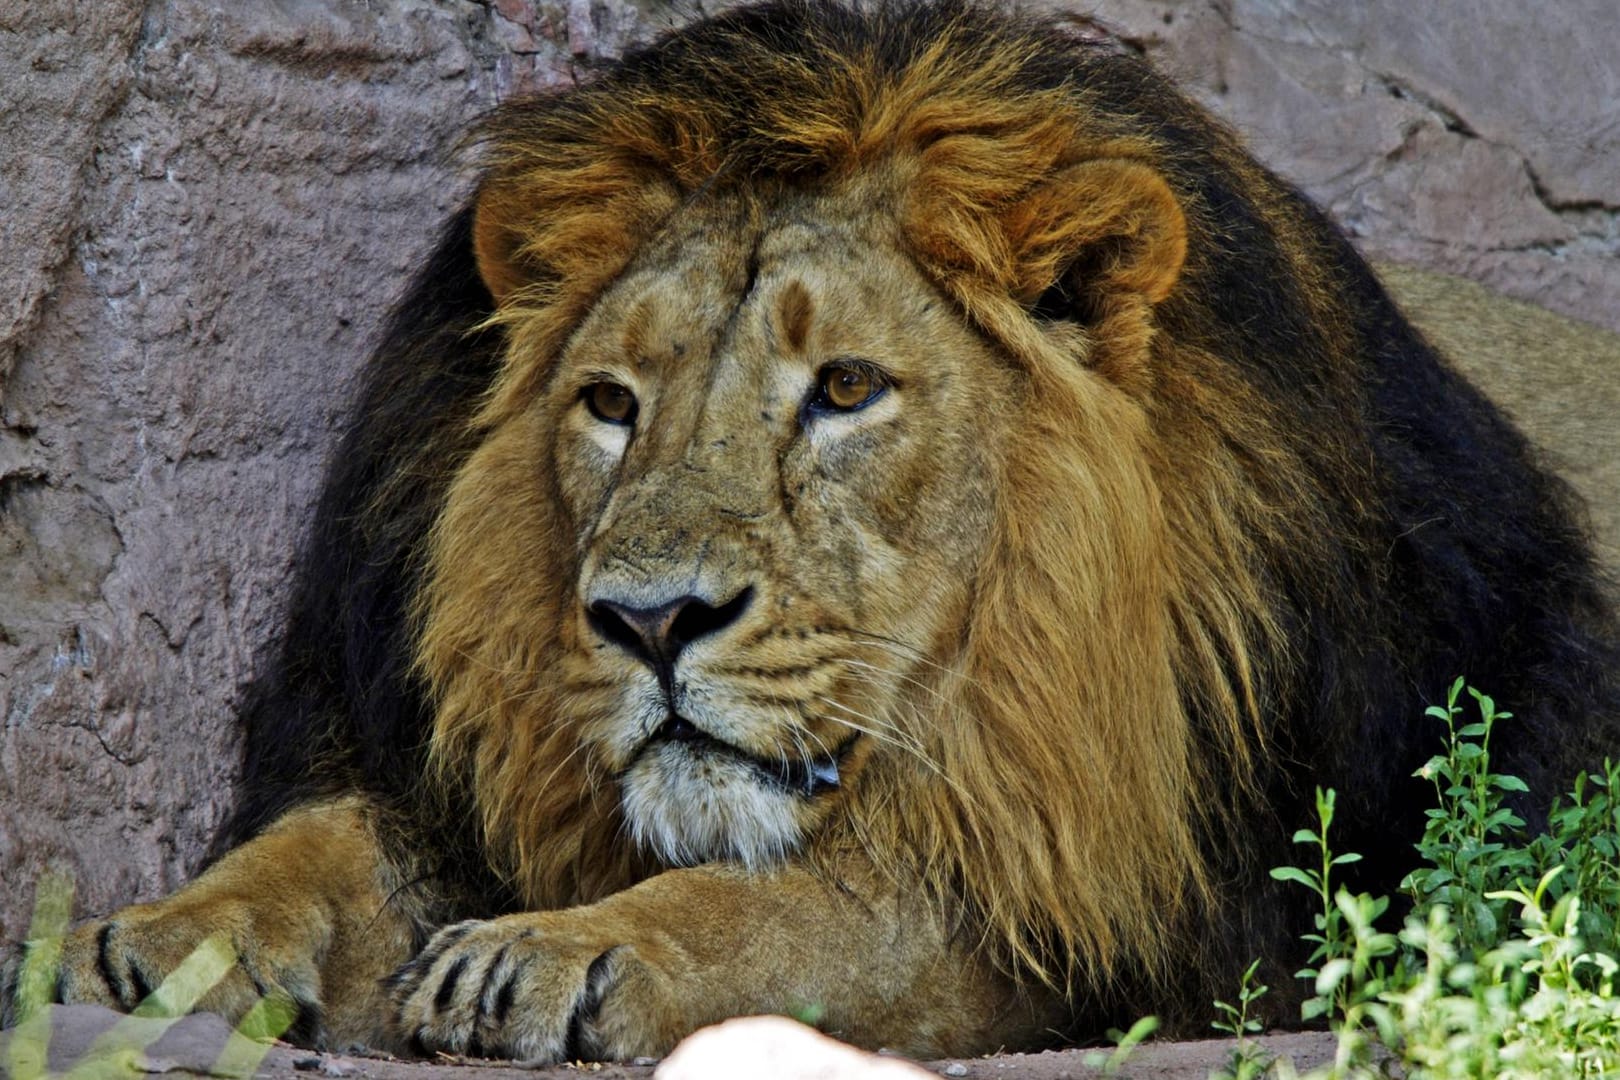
[(762, 472), (834, 491)]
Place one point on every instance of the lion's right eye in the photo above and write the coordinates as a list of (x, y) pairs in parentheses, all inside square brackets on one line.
[(845, 386), (610, 402)]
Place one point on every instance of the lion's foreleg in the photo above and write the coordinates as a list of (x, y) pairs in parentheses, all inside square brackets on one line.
[(633, 974), (304, 917)]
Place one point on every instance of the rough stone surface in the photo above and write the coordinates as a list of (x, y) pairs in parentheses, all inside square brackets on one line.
[(205, 206), (1479, 138)]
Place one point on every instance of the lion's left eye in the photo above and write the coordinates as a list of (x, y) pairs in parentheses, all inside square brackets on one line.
[(845, 387), (611, 402)]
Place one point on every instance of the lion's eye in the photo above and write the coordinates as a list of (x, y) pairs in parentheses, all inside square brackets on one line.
[(610, 402), (845, 387)]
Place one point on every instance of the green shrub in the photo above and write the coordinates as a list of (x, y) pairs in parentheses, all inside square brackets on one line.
[(1507, 965)]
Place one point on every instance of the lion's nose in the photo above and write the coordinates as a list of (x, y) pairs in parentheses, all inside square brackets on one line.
[(657, 634)]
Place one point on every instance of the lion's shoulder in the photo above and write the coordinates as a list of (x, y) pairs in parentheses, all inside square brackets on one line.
[(1558, 377)]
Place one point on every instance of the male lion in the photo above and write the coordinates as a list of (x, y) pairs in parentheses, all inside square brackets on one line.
[(886, 511)]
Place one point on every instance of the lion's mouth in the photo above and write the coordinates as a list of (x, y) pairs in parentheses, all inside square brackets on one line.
[(806, 776)]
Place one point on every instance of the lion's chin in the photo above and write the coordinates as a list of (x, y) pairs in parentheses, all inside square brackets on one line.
[(689, 806)]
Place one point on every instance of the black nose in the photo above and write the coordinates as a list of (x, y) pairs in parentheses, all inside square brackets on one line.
[(657, 635)]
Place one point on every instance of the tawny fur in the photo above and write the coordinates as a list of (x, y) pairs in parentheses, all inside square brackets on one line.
[(1119, 586)]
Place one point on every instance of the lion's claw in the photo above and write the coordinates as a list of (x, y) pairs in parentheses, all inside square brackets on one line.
[(505, 988), (121, 970)]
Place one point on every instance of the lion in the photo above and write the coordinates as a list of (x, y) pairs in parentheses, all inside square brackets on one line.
[(878, 512)]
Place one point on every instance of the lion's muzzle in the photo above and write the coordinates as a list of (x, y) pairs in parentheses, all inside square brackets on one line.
[(657, 633)]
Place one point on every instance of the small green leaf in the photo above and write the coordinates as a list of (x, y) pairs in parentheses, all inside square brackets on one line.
[(1294, 873), (1332, 974)]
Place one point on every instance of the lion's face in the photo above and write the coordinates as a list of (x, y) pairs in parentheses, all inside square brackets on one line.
[(771, 441)]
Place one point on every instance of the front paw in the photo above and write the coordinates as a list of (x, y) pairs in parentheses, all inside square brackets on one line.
[(536, 987), (166, 959)]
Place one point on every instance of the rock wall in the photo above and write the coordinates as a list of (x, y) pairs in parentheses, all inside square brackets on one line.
[(204, 208)]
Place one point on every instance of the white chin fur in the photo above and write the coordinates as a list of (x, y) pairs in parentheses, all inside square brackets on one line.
[(689, 810)]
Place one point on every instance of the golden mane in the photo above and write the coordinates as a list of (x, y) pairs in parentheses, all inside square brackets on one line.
[(1124, 593)]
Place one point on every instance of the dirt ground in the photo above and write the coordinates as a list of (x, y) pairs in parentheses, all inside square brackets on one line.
[(92, 1043)]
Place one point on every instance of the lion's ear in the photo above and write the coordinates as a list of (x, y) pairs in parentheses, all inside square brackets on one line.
[(496, 245), (573, 225), (1095, 233)]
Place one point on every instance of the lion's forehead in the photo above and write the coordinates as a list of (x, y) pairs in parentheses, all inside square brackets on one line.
[(719, 298)]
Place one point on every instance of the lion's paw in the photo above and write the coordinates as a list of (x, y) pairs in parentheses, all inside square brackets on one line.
[(180, 959), (529, 988)]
